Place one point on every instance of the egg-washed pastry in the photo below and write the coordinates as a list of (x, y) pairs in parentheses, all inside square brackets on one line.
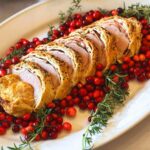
[(123, 31), (71, 57), (40, 80), (104, 42), (60, 71), (16, 96)]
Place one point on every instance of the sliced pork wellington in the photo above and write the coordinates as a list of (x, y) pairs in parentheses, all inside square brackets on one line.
[(103, 41), (60, 71), (122, 29), (69, 56), (40, 80), (86, 49)]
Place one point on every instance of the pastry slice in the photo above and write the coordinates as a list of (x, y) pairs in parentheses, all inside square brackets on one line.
[(69, 56), (40, 80), (60, 71), (122, 29), (16, 96), (87, 50), (103, 40)]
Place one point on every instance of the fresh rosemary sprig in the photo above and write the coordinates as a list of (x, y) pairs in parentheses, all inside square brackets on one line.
[(16, 52), (67, 16), (105, 109), (137, 10), (41, 116)]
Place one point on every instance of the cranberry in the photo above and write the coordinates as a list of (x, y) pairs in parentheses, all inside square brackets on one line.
[(76, 100), (114, 12), (9, 118), (89, 18), (148, 54), (63, 103), (38, 137), (90, 79), (86, 98), (44, 135), (62, 28), (136, 58), (79, 23), (5, 124), (60, 120), (71, 29), (24, 131), (2, 130), (27, 116), (18, 45), (99, 67), (71, 112), (53, 135), (91, 106), (98, 81), (67, 126), (30, 50), (96, 93), (2, 116), (83, 92), (113, 68), (15, 60), (15, 128), (82, 106), (51, 105), (77, 16), (29, 129), (48, 118), (96, 15), (99, 74), (24, 41), (35, 39)]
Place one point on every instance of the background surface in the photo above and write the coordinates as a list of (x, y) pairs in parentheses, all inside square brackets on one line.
[(138, 138)]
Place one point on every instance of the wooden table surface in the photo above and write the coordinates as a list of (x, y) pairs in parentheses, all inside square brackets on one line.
[(137, 138)]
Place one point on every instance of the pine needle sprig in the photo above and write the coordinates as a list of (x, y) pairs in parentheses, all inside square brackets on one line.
[(137, 10), (105, 109)]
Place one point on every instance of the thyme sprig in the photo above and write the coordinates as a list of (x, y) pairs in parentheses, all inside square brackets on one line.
[(68, 15), (105, 109), (137, 10), (26, 143), (15, 52)]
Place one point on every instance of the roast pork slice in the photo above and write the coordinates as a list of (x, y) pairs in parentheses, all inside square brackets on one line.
[(60, 71), (122, 29), (69, 56), (40, 80), (86, 49), (104, 42)]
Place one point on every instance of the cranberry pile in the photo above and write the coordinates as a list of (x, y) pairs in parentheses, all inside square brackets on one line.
[(84, 96)]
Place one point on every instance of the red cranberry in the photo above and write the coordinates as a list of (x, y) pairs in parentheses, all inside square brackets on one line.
[(15, 60), (5, 124), (30, 50), (53, 135), (67, 126), (37, 138), (60, 120), (83, 92), (44, 135), (15, 128), (89, 18), (35, 39), (96, 15), (91, 106), (99, 67), (71, 112), (76, 100), (2, 116), (2, 130), (51, 105), (27, 116)]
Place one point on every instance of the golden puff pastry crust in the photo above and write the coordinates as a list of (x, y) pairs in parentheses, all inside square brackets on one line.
[(16, 97), (107, 54), (137, 27), (61, 67), (89, 48), (128, 28), (47, 88), (75, 58)]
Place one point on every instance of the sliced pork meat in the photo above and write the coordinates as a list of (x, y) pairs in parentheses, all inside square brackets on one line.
[(40, 80), (72, 58), (60, 71), (104, 42), (122, 29), (86, 49)]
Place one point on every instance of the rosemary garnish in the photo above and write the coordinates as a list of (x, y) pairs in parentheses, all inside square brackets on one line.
[(137, 10), (68, 15), (25, 143), (15, 52), (105, 109)]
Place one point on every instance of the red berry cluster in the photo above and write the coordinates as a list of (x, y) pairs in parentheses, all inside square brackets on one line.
[(75, 22)]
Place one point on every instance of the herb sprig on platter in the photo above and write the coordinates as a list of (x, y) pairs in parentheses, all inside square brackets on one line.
[(105, 109), (137, 10), (74, 7)]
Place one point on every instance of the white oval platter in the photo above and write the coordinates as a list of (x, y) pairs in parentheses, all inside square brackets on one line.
[(34, 21)]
